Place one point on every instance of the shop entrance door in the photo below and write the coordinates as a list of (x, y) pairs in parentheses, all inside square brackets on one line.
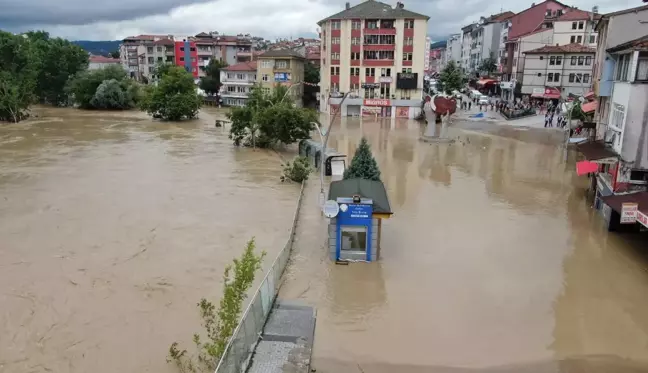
[(385, 112), (353, 242)]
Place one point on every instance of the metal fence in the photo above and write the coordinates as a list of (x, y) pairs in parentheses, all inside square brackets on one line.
[(237, 354)]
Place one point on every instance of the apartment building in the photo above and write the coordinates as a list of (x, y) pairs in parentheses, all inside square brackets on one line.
[(437, 56), (375, 52), (453, 49), (229, 49), (576, 26), (485, 38), (466, 44), (285, 67), (567, 68), (237, 82)]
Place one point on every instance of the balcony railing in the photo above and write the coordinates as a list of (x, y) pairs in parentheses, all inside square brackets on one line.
[(379, 31)]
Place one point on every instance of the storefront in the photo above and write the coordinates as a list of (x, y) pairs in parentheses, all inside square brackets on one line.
[(355, 224), (354, 110), (629, 211), (379, 107)]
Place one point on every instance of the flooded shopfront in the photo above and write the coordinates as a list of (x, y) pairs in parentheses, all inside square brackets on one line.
[(493, 260), (113, 227)]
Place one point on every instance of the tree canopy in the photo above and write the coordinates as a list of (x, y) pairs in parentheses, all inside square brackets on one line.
[(107, 88), (174, 97), (451, 78), (311, 76), (488, 65), (363, 165), (269, 119), (211, 82)]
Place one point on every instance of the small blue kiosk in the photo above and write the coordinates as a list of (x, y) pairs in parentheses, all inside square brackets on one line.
[(356, 224)]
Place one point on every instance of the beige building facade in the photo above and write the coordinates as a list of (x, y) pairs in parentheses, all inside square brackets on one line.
[(376, 54), (284, 67)]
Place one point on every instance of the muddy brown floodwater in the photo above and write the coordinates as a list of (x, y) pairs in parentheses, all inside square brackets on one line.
[(112, 227), (493, 261)]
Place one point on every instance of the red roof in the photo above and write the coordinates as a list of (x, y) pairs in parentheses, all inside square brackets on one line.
[(530, 19), (576, 15), (102, 59), (501, 16), (165, 41), (569, 48), (243, 66)]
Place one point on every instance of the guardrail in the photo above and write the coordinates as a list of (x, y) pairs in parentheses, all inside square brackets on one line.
[(240, 347)]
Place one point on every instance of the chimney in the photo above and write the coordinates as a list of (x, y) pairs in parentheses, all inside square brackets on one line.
[(348, 5)]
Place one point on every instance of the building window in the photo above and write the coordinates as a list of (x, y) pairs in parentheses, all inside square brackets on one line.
[(539, 74), (579, 39), (355, 71), (281, 65), (372, 24), (541, 58), (552, 60), (231, 88), (335, 56), (355, 41), (355, 56), (149, 50), (592, 39), (335, 70), (380, 39), (553, 77), (617, 119), (581, 60), (356, 25), (159, 59), (385, 71), (572, 39), (267, 64), (335, 40), (642, 67), (407, 56), (579, 78), (559, 60), (622, 66), (335, 25), (264, 77), (588, 60), (574, 25), (240, 76), (354, 87), (370, 93), (370, 71), (580, 25), (407, 70), (586, 78), (572, 76), (151, 69), (159, 49), (151, 60), (192, 49), (181, 49), (409, 23), (573, 60), (378, 55), (181, 59), (409, 41)]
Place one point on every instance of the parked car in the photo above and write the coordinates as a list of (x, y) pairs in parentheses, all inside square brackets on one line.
[(483, 100)]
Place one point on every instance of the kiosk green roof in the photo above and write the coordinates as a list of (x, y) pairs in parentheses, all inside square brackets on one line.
[(374, 190)]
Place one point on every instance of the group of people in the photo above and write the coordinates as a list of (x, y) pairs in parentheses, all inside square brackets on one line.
[(554, 110)]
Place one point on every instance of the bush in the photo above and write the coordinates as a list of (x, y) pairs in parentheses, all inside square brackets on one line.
[(112, 94), (174, 98), (297, 171), (117, 90)]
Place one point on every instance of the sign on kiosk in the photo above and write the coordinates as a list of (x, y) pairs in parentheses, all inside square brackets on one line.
[(629, 213), (642, 218)]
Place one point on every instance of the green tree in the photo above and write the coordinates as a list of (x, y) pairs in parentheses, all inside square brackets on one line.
[(115, 54), (18, 74), (115, 95), (451, 78), (269, 119), (211, 82), (363, 165), (298, 170), (83, 88), (58, 61), (488, 65), (219, 324), (311, 76), (174, 97)]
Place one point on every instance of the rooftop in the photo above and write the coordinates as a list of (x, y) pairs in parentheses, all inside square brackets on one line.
[(577, 15), (439, 44), (374, 190), (639, 44), (165, 41), (375, 9), (500, 17), (102, 59), (569, 48), (242, 66), (285, 53)]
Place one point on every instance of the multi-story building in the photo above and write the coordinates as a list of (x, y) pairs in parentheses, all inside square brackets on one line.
[(285, 67), (453, 49), (225, 48), (237, 82), (568, 68), (437, 56), (482, 39), (186, 55), (575, 26), (140, 54), (375, 52), (466, 45)]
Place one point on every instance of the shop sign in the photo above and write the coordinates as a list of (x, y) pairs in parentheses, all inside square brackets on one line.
[(506, 85), (629, 213), (642, 218), (538, 91), (385, 79), (282, 77), (376, 102), (355, 211), (369, 85)]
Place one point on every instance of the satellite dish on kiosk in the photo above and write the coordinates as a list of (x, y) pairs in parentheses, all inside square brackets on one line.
[(331, 209)]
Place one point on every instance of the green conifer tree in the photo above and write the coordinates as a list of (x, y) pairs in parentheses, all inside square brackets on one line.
[(363, 165)]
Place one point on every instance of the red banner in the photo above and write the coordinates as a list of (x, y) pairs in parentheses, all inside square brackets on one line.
[(376, 102)]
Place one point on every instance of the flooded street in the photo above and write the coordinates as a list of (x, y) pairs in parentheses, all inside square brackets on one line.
[(492, 261), (113, 227)]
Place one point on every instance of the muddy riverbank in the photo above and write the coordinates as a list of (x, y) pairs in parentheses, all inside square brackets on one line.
[(113, 226)]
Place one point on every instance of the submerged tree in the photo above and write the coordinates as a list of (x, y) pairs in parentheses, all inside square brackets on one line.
[(220, 323), (451, 78), (211, 82), (18, 76), (174, 97), (363, 165), (107, 88)]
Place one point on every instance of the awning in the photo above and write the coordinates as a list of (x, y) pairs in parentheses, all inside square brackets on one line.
[(589, 107), (596, 151), (486, 81), (616, 202), (550, 93), (589, 95), (586, 167)]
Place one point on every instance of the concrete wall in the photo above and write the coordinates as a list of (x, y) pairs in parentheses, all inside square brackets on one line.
[(332, 237), (625, 27), (538, 64), (563, 32), (634, 137)]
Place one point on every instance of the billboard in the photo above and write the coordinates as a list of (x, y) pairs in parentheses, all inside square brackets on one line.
[(406, 81)]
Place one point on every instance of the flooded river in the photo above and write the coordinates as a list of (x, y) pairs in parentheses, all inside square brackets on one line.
[(113, 226), (493, 261)]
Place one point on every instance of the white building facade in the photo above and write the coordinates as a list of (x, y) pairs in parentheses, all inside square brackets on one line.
[(237, 82), (453, 49)]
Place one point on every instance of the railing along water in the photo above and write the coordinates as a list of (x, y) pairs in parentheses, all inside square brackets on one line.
[(240, 347)]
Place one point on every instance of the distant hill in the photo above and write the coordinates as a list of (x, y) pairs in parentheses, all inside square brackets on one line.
[(102, 47)]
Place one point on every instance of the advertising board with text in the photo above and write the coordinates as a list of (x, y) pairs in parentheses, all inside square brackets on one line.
[(629, 213)]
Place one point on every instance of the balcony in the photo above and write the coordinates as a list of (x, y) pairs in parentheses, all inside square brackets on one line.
[(379, 47), (378, 62), (244, 52), (238, 82), (204, 52), (379, 31), (234, 94), (169, 52)]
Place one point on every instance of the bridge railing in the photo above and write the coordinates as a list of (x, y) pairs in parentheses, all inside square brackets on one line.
[(239, 350)]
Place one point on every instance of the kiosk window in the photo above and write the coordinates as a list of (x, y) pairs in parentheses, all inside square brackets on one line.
[(354, 238)]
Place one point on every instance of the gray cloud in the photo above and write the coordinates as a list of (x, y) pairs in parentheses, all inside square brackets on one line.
[(114, 19)]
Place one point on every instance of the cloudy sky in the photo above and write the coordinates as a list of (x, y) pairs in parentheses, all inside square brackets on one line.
[(116, 19)]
